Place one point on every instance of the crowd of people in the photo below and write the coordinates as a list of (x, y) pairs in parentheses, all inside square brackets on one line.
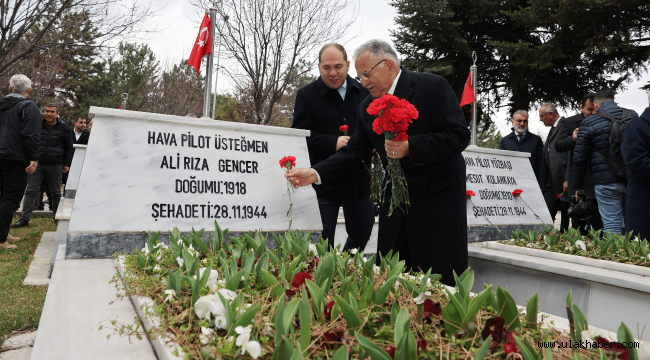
[(36, 150), (598, 155)]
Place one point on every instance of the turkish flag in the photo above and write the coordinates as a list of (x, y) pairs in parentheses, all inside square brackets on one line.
[(203, 44), (468, 93)]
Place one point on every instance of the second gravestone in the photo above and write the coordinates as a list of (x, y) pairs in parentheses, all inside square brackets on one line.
[(149, 172), (494, 212)]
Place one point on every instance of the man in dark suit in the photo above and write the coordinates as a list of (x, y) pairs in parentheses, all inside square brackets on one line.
[(522, 140), (431, 233), (79, 133), (79, 136), (566, 143), (323, 107), (555, 164)]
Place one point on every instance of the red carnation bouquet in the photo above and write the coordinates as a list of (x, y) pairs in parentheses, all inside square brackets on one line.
[(344, 129), (393, 116)]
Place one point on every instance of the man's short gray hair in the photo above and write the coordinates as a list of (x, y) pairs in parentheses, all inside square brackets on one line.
[(520, 112), (377, 48), (20, 83), (549, 107)]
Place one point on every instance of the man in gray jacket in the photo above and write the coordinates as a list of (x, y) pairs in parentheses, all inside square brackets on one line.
[(20, 134)]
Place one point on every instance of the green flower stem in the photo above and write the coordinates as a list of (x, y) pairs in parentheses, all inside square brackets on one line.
[(488, 220), (399, 188), (531, 209), (289, 213)]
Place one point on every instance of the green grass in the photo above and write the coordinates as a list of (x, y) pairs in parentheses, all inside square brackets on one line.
[(21, 306)]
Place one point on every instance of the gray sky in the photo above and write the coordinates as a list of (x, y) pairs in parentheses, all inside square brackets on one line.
[(179, 24)]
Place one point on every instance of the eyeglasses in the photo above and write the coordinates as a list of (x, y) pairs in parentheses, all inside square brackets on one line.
[(542, 116), (366, 74), (521, 121)]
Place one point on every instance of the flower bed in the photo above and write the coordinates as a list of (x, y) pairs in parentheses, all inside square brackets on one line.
[(611, 247), (242, 300)]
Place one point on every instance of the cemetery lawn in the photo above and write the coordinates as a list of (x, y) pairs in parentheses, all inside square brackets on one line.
[(21, 306)]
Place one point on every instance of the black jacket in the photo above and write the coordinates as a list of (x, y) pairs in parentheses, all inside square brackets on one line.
[(532, 144), (56, 144), (434, 171), (594, 134), (83, 139), (20, 128), (555, 163), (321, 110), (566, 143), (636, 153)]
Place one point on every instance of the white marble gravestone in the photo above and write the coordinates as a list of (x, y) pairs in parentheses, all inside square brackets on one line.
[(493, 175), (150, 172)]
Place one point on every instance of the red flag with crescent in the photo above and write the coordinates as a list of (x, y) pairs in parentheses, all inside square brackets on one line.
[(468, 92), (203, 44)]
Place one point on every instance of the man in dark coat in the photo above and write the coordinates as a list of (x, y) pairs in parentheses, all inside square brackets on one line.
[(20, 133), (80, 136), (523, 140), (323, 107), (567, 143), (636, 154), (55, 156), (592, 149), (555, 164), (433, 232)]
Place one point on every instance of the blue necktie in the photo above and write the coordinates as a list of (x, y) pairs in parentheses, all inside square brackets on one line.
[(519, 138), (341, 91)]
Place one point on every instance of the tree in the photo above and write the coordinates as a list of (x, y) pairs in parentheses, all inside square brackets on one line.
[(30, 27), (527, 51), (268, 38), (489, 138)]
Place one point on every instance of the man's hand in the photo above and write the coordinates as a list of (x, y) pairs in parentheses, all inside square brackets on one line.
[(565, 186), (342, 141), (32, 167), (396, 149), (301, 177), (575, 135), (66, 169)]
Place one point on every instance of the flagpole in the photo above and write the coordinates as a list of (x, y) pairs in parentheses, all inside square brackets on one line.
[(216, 76), (474, 71), (208, 74)]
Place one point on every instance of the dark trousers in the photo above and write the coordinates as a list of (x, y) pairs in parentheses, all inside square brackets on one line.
[(13, 180), (554, 204), (359, 219), (53, 173)]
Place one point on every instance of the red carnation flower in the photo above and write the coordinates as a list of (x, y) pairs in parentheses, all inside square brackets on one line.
[(517, 192), (559, 196), (469, 194), (430, 308), (344, 129), (299, 279), (288, 162)]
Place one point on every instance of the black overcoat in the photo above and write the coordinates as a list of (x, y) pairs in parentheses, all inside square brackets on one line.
[(321, 110), (436, 223), (636, 154), (83, 138), (532, 144), (566, 143), (557, 161)]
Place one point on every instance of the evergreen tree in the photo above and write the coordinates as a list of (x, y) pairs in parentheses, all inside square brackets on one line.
[(528, 52)]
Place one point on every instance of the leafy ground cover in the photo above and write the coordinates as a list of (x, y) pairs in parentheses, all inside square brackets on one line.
[(595, 245), (21, 306), (240, 299)]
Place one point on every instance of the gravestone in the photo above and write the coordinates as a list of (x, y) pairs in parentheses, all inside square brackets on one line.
[(146, 172), (494, 212)]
